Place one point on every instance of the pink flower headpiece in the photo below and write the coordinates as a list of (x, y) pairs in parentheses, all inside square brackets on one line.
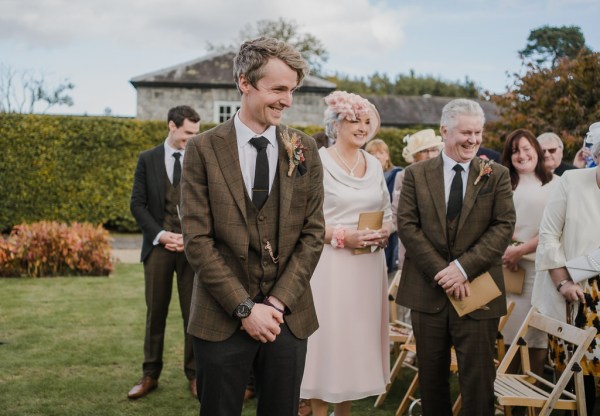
[(348, 105)]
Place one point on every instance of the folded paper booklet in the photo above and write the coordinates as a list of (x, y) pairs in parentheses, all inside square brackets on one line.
[(513, 281), (372, 221), (483, 291)]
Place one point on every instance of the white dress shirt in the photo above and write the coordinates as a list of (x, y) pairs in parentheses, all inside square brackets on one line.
[(248, 153)]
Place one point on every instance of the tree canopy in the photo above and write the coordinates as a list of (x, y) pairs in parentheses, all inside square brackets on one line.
[(548, 44), (308, 45), (564, 99), (405, 84), (26, 91)]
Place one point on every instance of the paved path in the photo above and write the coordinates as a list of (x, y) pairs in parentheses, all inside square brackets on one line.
[(126, 247)]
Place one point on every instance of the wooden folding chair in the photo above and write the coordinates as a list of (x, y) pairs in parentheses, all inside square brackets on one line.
[(399, 333), (410, 346), (522, 389)]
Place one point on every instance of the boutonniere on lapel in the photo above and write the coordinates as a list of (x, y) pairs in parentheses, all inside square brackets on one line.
[(294, 148), (485, 170)]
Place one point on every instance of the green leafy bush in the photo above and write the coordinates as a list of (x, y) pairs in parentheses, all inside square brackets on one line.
[(75, 168), (46, 249)]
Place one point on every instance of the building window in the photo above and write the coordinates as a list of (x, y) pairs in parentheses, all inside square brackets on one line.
[(224, 110)]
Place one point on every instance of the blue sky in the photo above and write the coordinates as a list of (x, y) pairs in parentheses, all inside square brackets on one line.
[(99, 45)]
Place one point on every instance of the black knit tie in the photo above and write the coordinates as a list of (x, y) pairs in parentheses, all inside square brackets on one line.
[(455, 199), (260, 190), (176, 169)]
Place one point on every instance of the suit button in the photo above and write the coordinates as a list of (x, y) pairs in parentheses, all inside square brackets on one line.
[(265, 241), (265, 263), (243, 258), (261, 217), (263, 284)]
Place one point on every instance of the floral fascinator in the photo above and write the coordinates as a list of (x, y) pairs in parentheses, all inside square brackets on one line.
[(349, 106)]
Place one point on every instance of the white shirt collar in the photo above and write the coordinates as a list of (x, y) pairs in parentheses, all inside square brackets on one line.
[(244, 133), (169, 150), (449, 163)]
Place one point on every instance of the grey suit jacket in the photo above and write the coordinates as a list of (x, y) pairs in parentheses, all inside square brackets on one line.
[(216, 234), (484, 231)]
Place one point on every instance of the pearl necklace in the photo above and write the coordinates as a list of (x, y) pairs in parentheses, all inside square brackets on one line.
[(351, 169)]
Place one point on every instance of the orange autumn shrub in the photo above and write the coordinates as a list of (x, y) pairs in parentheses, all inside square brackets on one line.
[(49, 248)]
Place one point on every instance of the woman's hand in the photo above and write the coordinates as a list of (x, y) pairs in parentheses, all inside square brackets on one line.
[(366, 238), (579, 161), (572, 291), (511, 257)]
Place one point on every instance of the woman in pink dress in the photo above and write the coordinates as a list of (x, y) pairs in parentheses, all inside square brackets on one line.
[(348, 356)]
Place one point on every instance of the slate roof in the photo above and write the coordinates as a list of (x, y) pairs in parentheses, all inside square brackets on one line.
[(212, 71), (398, 111)]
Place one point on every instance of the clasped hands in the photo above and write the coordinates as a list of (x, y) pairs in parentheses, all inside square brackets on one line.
[(263, 322), (367, 238), (453, 282), (172, 241)]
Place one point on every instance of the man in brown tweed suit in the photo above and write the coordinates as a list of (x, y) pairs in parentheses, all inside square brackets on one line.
[(447, 244), (252, 307)]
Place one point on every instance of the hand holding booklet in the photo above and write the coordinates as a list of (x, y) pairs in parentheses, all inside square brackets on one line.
[(372, 221), (483, 290)]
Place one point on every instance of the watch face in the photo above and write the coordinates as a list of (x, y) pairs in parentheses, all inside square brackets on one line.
[(242, 311)]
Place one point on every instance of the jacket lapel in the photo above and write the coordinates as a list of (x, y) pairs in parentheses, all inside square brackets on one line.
[(286, 183), (228, 159), (160, 172), (435, 183)]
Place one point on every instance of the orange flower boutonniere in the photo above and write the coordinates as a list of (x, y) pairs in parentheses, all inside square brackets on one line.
[(485, 170), (294, 148)]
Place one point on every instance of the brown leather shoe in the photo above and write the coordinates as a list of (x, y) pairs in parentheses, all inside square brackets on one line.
[(194, 388), (143, 387)]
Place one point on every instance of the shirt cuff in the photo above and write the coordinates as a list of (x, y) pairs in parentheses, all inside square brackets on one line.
[(157, 238), (461, 269)]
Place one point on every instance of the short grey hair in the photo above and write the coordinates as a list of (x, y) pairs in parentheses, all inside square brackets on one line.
[(546, 137), (460, 107)]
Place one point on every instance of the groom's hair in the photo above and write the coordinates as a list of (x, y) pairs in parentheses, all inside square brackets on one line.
[(254, 55)]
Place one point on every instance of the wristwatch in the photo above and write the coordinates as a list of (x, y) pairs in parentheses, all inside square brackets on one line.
[(243, 309)]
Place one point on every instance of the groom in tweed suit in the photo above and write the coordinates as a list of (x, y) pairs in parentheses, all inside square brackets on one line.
[(252, 307), (447, 244)]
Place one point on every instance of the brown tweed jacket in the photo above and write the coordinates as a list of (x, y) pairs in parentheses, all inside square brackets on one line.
[(484, 231), (216, 235)]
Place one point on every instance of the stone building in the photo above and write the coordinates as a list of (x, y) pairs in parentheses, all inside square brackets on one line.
[(207, 85)]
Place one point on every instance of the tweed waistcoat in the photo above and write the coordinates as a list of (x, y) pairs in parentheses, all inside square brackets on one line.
[(171, 221), (451, 227), (263, 228)]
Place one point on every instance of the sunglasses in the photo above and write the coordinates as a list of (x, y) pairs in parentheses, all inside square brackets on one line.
[(551, 151)]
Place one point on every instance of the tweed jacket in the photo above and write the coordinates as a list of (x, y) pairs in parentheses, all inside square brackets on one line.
[(216, 237), (483, 232), (148, 195)]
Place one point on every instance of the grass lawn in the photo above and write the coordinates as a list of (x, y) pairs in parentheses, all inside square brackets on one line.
[(74, 346)]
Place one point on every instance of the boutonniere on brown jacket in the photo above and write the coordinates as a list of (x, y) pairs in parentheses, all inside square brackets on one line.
[(485, 170), (294, 148)]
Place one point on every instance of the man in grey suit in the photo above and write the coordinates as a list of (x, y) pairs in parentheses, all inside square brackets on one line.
[(455, 218), (253, 227), (154, 204)]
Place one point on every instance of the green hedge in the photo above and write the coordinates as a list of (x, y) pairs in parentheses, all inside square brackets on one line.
[(66, 168)]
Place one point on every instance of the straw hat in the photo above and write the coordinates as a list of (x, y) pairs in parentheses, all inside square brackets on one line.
[(418, 141)]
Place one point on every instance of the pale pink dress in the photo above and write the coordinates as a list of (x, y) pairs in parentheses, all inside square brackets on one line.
[(348, 356)]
